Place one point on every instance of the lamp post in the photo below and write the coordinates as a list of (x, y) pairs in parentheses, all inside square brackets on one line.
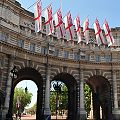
[(57, 88), (13, 75)]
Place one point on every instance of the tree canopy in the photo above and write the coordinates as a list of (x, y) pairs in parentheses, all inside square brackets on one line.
[(59, 100), (24, 98), (87, 92)]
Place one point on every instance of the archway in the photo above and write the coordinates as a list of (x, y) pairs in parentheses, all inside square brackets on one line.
[(58, 100), (71, 85), (25, 99), (101, 97), (30, 74)]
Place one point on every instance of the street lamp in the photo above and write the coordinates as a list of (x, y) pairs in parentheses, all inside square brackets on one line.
[(57, 88), (13, 75), (26, 89)]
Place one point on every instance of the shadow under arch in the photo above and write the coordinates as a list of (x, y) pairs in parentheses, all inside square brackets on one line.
[(28, 73), (101, 95), (71, 84)]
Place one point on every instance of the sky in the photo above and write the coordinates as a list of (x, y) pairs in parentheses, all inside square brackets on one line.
[(101, 9)]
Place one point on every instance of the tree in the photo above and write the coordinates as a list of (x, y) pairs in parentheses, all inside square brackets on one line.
[(87, 92), (32, 110), (62, 99), (25, 98)]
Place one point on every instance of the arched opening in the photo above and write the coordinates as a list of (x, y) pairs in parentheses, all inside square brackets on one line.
[(58, 100), (101, 97), (29, 74), (25, 99), (71, 85)]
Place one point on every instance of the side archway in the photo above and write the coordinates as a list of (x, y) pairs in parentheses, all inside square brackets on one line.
[(71, 85), (101, 97), (28, 73)]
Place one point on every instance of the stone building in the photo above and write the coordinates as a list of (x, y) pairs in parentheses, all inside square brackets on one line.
[(42, 59)]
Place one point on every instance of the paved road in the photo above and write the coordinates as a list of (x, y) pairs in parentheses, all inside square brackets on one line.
[(30, 117)]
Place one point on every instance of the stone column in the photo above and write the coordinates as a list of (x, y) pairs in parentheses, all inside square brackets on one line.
[(47, 112), (116, 111), (82, 108), (8, 86)]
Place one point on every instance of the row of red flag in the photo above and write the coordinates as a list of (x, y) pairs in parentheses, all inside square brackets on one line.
[(67, 29)]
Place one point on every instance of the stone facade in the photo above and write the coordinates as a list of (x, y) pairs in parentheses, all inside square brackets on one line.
[(20, 46)]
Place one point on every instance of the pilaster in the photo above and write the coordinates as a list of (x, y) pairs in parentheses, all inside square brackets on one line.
[(116, 111), (8, 86), (47, 112), (82, 108)]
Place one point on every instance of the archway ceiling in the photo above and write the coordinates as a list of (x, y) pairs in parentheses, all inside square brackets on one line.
[(29, 74), (66, 78)]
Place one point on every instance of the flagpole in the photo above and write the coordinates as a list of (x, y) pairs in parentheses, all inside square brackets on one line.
[(84, 20), (33, 4)]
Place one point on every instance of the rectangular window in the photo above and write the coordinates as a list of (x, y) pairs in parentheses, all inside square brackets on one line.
[(32, 47), (56, 53), (82, 57), (76, 56), (108, 58), (21, 43), (43, 50), (87, 57), (4, 36), (97, 58), (66, 54)]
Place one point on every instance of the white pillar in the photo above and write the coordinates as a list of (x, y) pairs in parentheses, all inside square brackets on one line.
[(82, 108), (47, 94)]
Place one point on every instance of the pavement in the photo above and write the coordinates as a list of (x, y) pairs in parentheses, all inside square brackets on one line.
[(33, 117)]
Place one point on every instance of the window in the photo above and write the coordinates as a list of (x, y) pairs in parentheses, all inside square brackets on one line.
[(82, 57), (4, 36), (43, 50), (21, 43), (87, 57), (32, 47), (66, 54), (108, 58), (56, 53), (76, 56), (97, 58)]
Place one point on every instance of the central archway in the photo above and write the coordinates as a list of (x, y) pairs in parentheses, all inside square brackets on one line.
[(101, 97), (31, 74), (71, 85)]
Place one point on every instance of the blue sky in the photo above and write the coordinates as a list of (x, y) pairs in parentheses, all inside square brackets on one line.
[(102, 9)]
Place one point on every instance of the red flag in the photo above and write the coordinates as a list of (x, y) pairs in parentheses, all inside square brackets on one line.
[(48, 20), (37, 15), (98, 32), (59, 24), (86, 30), (78, 29), (69, 27), (108, 33)]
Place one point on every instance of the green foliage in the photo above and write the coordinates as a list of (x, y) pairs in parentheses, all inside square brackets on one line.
[(62, 99), (32, 110), (87, 92), (25, 98)]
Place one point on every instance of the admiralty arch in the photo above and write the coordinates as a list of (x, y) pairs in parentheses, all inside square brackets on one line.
[(42, 59)]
